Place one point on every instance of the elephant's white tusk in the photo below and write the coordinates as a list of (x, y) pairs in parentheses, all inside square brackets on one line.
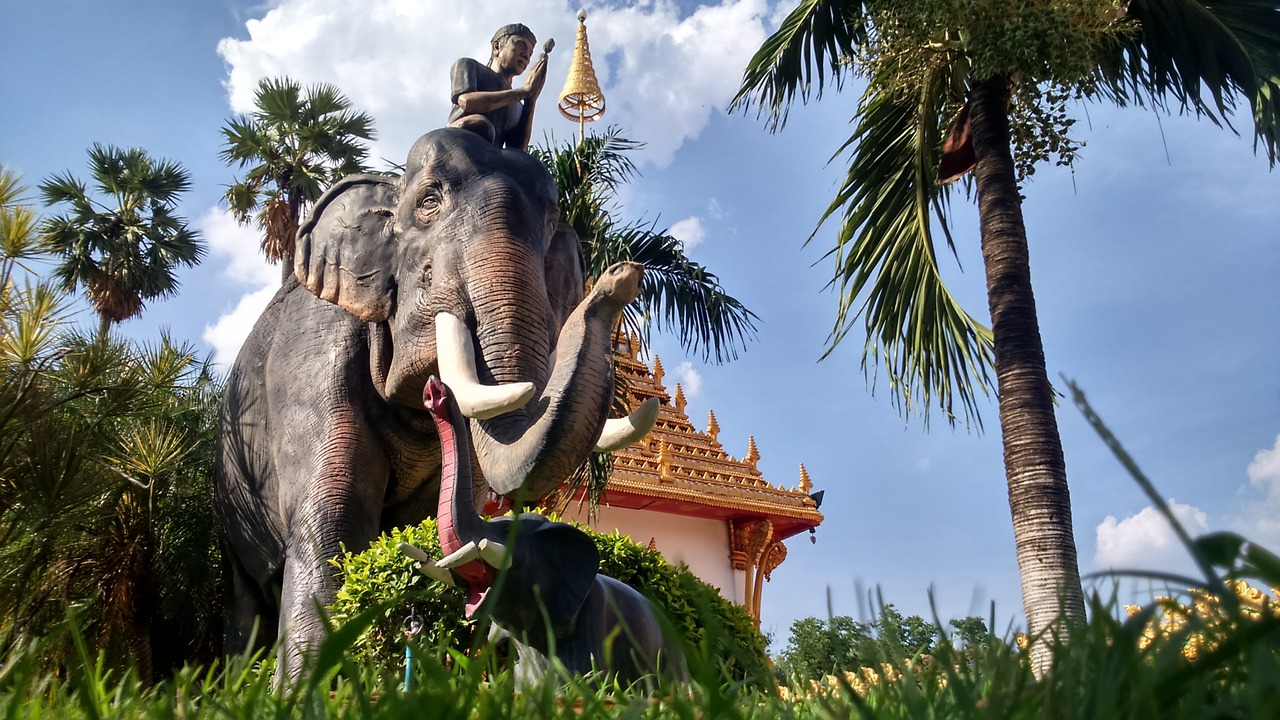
[(461, 556), (621, 432), (495, 554), (458, 371), (413, 552), (426, 565), (435, 573)]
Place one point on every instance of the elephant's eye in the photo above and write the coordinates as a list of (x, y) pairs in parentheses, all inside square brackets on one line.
[(428, 207)]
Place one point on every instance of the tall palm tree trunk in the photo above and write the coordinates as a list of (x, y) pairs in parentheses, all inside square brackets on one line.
[(1034, 468)]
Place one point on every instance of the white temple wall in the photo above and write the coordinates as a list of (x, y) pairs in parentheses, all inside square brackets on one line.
[(700, 543)]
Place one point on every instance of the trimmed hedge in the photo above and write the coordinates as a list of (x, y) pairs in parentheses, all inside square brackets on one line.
[(715, 627)]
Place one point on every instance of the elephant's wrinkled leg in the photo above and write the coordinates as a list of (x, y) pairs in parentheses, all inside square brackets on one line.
[(246, 608), (341, 508)]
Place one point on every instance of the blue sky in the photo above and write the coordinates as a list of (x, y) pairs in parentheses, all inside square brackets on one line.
[(1155, 264)]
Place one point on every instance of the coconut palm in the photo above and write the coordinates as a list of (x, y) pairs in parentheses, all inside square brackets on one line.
[(677, 294), (125, 246), (953, 85), (295, 144)]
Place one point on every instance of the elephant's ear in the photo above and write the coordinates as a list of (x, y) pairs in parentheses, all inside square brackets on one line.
[(346, 248), (565, 285), (563, 562)]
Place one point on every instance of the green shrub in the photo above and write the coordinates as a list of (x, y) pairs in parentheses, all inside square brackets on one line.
[(384, 575), (721, 629)]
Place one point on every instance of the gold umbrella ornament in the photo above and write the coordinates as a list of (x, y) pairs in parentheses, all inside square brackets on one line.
[(581, 99)]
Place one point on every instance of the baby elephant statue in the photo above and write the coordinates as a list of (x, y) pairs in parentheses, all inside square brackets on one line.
[(539, 580)]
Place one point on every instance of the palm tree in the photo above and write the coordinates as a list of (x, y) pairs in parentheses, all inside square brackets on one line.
[(295, 144), (984, 85), (126, 248), (677, 294)]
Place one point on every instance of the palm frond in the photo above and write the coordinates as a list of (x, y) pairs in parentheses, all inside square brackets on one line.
[(1183, 48), (887, 271), (814, 43), (680, 295)]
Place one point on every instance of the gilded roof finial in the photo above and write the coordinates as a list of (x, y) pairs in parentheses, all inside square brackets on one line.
[(753, 454), (581, 98), (664, 461), (805, 483), (680, 402), (713, 427), (658, 372)]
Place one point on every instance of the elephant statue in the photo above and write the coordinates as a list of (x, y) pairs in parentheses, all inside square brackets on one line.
[(458, 268), (537, 579)]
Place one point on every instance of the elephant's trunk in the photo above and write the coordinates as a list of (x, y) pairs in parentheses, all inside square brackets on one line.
[(533, 450), (456, 520)]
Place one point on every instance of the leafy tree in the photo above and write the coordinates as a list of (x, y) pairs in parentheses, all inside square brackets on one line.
[(295, 144), (954, 84), (971, 630), (913, 635), (818, 648), (106, 457), (125, 248)]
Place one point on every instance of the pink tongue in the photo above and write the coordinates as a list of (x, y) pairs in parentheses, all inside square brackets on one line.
[(474, 600)]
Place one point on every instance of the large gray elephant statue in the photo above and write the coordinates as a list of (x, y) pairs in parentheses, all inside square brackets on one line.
[(537, 579), (458, 268)]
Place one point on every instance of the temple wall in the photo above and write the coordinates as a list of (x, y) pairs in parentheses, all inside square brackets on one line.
[(700, 543)]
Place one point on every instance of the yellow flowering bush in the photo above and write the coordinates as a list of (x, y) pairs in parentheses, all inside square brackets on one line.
[(1204, 622), (862, 681)]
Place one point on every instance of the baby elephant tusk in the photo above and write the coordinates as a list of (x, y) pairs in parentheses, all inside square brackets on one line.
[(426, 565), (621, 432), (461, 556), (458, 370), (495, 554)]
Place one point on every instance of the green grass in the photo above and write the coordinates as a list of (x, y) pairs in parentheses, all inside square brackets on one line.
[(1110, 668), (1104, 672)]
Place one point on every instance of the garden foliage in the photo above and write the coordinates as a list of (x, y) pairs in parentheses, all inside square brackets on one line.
[(382, 576)]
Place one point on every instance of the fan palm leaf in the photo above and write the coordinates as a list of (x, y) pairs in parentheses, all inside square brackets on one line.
[(295, 143), (125, 245)]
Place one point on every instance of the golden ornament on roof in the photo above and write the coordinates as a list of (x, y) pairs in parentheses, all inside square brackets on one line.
[(581, 98)]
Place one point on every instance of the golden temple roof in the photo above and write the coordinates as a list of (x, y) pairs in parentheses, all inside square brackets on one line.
[(677, 468)]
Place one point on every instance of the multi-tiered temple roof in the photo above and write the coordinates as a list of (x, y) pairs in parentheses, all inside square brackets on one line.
[(680, 470)]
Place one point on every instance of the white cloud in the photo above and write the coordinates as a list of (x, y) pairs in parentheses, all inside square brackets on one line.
[(690, 379), (227, 334), (1261, 521), (1145, 540), (689, 232), (238, 246), (663, 75), (715, 210), (1264, 471)]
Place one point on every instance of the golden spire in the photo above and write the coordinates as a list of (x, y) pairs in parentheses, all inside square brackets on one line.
[(805, 483), (581, 98), (753, 454), (713, 427), (679, 400), (658, 372)]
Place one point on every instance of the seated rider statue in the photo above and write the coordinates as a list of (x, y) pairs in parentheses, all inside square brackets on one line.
[(483, 99)]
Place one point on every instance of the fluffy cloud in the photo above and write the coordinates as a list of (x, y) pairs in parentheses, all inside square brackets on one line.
[(690, 379), (228, 333), (1261, 522), (237, 245), (1146, 540), (663, 74), (689, 232)]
